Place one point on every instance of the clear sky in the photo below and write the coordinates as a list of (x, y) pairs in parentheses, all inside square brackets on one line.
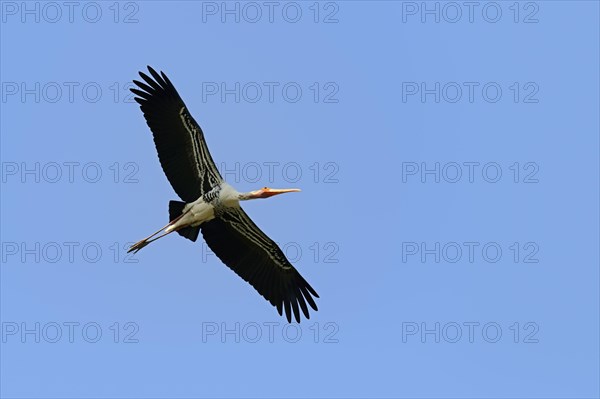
[(448, 159)]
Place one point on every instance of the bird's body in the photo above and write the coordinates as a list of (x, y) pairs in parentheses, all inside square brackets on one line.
[(212, 206), (204, 208)]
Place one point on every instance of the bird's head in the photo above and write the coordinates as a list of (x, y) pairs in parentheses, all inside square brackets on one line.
[(267, 192)]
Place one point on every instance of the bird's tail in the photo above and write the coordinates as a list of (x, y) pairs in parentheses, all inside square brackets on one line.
[(175, 211)]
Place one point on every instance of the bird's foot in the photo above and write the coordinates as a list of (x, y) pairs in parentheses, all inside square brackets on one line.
[(138, 245)]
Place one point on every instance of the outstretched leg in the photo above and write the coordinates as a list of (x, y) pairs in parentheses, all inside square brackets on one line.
[(142, 243)]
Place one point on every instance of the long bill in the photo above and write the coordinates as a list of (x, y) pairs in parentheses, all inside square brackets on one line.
[(267, 192)]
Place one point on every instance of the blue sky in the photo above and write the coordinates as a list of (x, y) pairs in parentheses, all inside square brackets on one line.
[(448, 161)]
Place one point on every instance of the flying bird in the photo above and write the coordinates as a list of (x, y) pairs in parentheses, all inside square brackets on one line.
[(211, 205)]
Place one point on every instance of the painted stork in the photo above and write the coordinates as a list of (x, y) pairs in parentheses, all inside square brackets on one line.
[(213, 206)]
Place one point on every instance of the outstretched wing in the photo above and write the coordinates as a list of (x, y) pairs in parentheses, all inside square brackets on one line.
[(253, 256), (179, 140)]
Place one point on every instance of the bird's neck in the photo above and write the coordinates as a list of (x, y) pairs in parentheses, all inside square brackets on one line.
[(228, 195), (245, 196)]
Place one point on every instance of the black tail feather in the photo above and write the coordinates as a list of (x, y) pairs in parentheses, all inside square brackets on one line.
[(175, 210)]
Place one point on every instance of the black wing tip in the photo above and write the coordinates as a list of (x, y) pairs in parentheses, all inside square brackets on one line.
[(143, 75), (296, 311), (155, 81), (296, 303), (138, 92), (297, 317), (158, 76), (139, 84), (166, 78), (149, 69), (157, 87)]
